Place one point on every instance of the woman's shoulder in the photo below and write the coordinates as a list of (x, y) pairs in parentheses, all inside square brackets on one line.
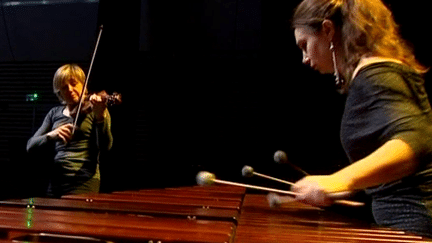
[(56, 110), (390, 78), (386, 73), (385, 67)]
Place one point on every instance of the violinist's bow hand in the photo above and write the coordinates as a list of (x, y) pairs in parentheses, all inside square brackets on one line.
[(62, 133)]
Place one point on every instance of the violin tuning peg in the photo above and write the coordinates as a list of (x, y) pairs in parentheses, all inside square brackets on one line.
[(114, 99), (118, 98)]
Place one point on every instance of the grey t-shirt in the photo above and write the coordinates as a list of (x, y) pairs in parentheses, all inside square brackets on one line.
[(76, 161)]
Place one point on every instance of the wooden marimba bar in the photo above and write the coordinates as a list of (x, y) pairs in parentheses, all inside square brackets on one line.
[(189, 214), (215, 214), (296, 222)]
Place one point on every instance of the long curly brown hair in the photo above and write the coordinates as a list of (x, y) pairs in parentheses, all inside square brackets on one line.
[(364, 27)]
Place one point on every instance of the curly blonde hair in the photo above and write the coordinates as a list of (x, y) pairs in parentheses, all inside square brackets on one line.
[(364, 28)]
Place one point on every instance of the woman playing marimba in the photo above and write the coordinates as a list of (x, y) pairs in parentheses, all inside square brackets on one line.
[(386, 128)]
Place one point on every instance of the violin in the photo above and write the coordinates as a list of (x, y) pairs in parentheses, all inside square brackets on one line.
[(87, 107)]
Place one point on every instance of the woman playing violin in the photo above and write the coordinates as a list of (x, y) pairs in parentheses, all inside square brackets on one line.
[(76, 160)]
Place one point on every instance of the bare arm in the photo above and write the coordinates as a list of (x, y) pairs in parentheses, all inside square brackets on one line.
[(392, 161)]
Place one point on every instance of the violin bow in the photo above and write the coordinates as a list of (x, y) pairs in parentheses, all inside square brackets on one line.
[(86, 81)]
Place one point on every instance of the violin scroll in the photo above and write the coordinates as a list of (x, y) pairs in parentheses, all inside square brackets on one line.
[(114, 99)]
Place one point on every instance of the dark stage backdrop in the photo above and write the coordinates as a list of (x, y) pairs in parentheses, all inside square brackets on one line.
[(227, 87), (207, 85)]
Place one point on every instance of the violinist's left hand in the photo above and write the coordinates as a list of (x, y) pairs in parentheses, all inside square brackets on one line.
[(99, 105)]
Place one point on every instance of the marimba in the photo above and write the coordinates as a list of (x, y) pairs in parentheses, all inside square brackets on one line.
[(214, 214)]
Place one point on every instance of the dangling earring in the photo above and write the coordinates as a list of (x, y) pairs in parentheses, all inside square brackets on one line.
[(339, 81)]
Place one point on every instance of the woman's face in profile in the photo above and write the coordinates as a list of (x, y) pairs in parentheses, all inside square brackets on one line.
[(315, 48)]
